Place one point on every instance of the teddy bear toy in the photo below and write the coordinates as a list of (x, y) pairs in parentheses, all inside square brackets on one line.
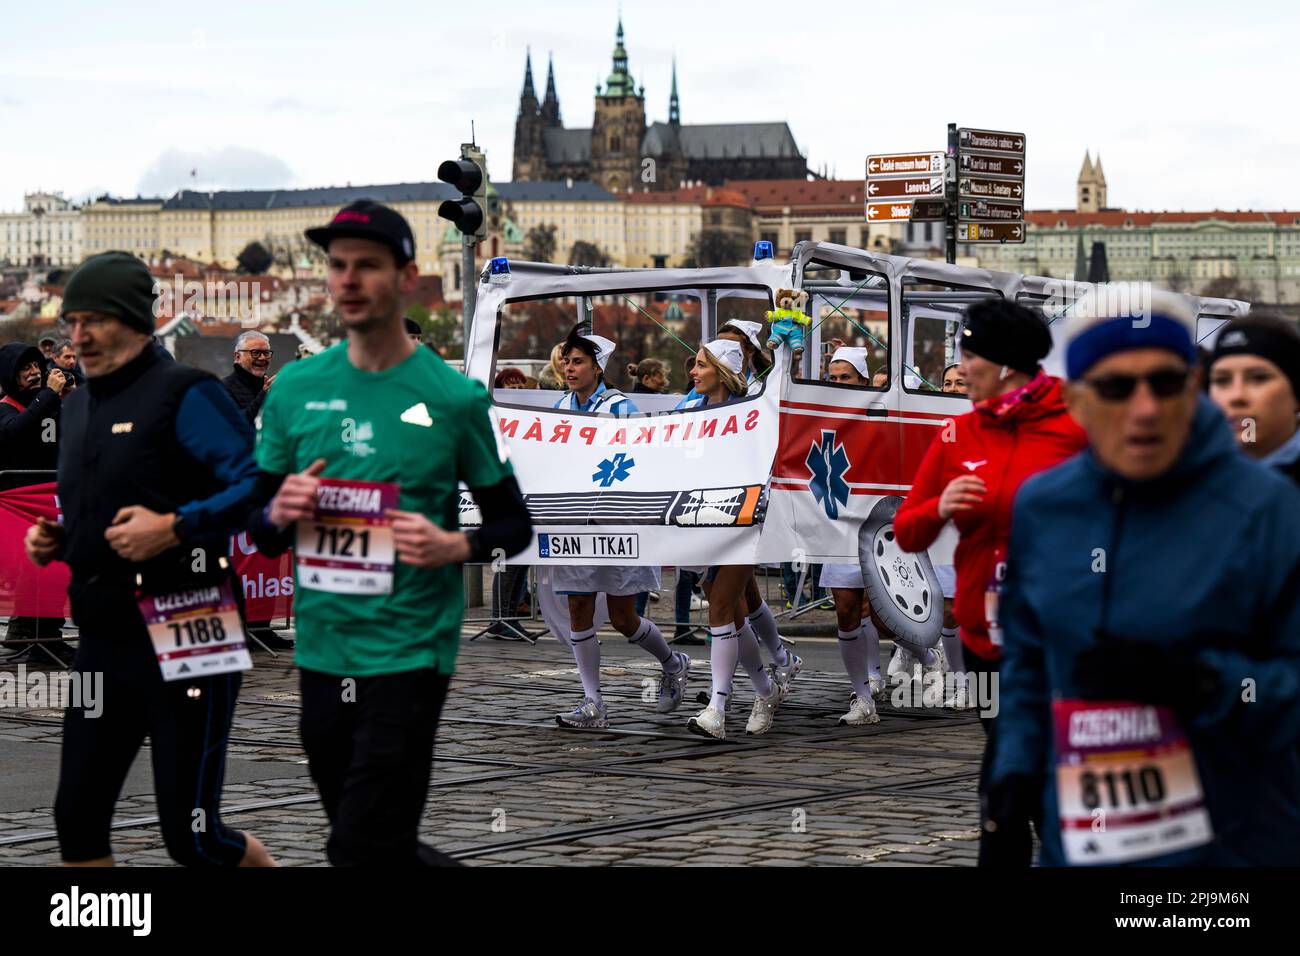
[(788, 319)]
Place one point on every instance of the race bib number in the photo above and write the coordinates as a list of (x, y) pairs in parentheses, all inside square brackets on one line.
[(1126, 782), (196, 633), (348, 547)]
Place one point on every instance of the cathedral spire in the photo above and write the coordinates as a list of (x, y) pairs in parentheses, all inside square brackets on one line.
[(620, 80), (528, 74), (674, 107), (551, 105)]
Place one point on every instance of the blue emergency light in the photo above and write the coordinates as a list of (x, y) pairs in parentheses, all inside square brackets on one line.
[(763, 250), (500, 266)]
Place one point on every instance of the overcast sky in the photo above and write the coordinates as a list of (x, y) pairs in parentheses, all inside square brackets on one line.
[(1192, 106)]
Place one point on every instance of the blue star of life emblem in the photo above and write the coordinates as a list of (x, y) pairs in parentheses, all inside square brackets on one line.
[(613, 469), (828, 463)]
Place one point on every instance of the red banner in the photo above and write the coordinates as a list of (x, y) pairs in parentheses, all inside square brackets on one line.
[(29, 591)]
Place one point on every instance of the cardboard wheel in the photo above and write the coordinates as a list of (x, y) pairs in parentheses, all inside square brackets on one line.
[(902, 587)]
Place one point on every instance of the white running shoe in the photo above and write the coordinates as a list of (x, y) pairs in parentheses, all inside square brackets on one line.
[(879, 688), (902, 666), (786, 675), (939, 666), (698, 603), (862, 711), (760, 718), (587, 714), (710, 722), (959, 698), (672, 687)]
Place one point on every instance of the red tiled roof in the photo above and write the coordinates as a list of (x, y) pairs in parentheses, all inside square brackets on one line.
[(802, 195), (697, 195)]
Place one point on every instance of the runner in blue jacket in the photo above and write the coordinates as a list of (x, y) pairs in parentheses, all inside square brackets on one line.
[(1152, 624)]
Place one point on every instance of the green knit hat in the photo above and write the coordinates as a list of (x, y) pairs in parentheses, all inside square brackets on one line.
[(115, 283)]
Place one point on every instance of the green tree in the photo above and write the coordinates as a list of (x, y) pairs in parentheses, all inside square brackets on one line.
[(539, 244), (717, 247), (587, 254), (255, 259)]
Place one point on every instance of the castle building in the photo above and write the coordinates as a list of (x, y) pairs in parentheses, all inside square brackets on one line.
[(622, 152)]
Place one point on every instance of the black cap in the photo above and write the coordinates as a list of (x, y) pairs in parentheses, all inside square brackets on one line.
[(366, 219), (1006, 333), (1268, 336), (412, 326)]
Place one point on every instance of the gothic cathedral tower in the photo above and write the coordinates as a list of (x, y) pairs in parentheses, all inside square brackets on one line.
[(618, 126), (530, 154)]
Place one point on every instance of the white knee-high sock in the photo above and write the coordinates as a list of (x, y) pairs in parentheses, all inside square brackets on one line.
[(723, 654), (951, 641), (871, 646), (764, 624), (650, 640), (952, 648), (586, 651), (853, 652), (752, 661)]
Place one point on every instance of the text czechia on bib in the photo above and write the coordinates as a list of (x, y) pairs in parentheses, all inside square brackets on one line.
[(347, 548)]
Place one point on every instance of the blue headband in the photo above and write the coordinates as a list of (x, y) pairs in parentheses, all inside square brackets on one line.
[(1124, 334)]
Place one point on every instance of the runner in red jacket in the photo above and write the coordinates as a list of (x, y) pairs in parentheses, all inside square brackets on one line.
[(975, 465)]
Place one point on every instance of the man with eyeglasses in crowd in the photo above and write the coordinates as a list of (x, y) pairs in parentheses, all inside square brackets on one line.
[(1150, 684), (248, 382)]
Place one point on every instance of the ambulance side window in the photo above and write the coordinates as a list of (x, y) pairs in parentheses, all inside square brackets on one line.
[(1053, 306), (848, 308), (661, 324), (932, 321)]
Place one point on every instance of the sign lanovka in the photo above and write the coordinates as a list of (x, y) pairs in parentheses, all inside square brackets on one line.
[(893, 179), (914, 186)]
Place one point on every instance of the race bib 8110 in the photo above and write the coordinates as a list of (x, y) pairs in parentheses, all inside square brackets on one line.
[(347, 548), (1127, 787)]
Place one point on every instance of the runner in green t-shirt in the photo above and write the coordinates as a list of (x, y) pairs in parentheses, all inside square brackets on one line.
[(367, 444)]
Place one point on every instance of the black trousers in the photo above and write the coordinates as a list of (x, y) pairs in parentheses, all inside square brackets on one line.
[(369, 743), (1014, 848), (187, 723)]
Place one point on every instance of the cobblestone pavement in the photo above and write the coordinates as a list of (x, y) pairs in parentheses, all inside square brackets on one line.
[(511, 787)]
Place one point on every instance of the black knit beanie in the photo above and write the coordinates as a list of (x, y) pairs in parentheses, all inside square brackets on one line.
[(1267, 336), (1006, 333), (115, 283)]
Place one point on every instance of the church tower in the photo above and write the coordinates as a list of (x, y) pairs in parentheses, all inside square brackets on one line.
[(618, 126), (530, 153), (1091, 187)]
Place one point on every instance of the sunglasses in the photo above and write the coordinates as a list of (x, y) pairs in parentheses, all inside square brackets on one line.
[(1165, 383)]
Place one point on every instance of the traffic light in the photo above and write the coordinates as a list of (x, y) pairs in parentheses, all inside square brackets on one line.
[(468, 177)]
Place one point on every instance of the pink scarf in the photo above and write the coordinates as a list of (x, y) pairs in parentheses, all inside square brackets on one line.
[(1001, 405)]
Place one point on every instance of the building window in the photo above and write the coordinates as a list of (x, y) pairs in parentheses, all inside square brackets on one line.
[(802, 235), (839, 237)]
